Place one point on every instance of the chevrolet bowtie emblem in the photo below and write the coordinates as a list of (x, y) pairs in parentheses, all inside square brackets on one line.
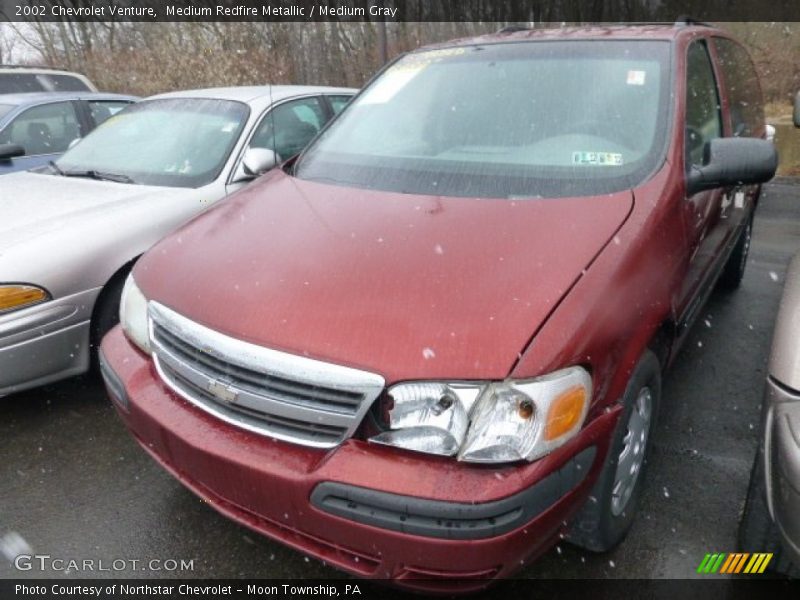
[(222, 391)]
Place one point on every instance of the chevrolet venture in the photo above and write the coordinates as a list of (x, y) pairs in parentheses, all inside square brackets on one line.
[(433, 343)]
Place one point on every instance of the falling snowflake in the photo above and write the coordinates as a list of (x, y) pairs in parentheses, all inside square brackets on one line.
[(13, 544)]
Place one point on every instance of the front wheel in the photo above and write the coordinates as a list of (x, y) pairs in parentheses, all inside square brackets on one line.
[(608, 515), (106, 314), (757, 531)]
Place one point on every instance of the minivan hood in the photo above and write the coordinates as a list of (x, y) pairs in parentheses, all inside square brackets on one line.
[(33, 205), (408, 286)]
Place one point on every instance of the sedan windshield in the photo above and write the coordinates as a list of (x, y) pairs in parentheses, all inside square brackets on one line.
[(529, 119), (176, 142), (5, 109)]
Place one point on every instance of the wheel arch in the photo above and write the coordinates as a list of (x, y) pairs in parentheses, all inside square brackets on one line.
[(120, 274)]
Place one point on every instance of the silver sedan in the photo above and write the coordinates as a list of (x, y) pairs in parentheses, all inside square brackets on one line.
[(771, 519), (70, 231)]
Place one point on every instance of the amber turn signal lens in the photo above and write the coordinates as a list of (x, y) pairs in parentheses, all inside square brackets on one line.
[(13, 297), (565, 412)]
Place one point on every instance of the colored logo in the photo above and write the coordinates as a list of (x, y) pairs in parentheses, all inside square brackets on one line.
[(734, 563)]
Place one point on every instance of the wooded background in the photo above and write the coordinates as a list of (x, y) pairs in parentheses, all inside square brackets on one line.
[(147, 58)]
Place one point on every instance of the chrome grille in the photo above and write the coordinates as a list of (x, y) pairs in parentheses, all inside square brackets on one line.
[(273, 393)]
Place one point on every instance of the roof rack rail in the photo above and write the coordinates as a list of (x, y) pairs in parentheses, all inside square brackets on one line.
[(49, 68), (686, 20)]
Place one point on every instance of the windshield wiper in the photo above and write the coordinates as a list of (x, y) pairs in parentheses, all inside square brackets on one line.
[(55, 167), (94, 174)]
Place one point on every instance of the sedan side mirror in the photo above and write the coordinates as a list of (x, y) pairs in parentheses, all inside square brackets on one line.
[(255, 162), (74, 143), (797, 110), (9, 151), (733, 161)]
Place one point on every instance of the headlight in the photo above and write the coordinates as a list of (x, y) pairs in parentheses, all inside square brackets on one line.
[(428, 417), (494, 422), (133, 315), (17, 296)]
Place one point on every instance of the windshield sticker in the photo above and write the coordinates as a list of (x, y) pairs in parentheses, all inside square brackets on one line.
[(636, 77), (392, 82), (612, 159)]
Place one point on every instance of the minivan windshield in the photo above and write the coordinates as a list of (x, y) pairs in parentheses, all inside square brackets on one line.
[(521, 119), (175, 142)]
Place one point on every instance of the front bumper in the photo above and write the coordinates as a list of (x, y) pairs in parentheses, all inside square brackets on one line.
[(46, 342), (369, 510), (782, 454)]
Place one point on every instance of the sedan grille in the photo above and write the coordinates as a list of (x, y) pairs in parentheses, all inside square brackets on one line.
[(280, 395)]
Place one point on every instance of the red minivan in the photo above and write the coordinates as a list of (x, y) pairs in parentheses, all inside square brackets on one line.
[(432, 344)]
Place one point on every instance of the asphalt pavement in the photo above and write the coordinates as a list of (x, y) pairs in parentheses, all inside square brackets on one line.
[(74, 485)]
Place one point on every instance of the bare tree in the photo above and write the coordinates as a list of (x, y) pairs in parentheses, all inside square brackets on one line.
[(146, 58)]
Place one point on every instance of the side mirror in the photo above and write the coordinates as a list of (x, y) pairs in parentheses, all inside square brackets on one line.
[(255, 162), (9, 151), (74, 143), (733, 161), (797, 110)]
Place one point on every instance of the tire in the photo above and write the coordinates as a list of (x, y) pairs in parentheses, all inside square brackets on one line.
[(106, 314), (757, 531), (733, 271), (607, 516)]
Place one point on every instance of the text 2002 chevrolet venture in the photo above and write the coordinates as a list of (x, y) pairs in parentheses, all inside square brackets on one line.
[(418, 349)]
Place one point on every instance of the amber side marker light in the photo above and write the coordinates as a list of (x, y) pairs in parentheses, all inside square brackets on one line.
[(14, 297), (565, 412)]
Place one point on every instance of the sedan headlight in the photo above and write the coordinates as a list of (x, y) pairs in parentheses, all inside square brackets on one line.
[(491, 422), (17, 296), (133, 315)]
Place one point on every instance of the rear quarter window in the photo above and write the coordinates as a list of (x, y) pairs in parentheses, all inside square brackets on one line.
[(63, 83)]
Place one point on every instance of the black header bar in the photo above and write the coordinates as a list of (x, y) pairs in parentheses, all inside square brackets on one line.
[(500, 11)]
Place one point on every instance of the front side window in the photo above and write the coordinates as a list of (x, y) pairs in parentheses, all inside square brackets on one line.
[(338, 103), (19, 83), (289, 127), (176, 142), (46, 129), (102, 110), (703, 122), (532, 119), (744, 90)]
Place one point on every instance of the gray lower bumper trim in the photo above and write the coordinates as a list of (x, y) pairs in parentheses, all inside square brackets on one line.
[(451, 520), (113, 382)]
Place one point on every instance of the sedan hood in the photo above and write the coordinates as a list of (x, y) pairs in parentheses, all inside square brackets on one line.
[(407, 286), (33, 205)]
